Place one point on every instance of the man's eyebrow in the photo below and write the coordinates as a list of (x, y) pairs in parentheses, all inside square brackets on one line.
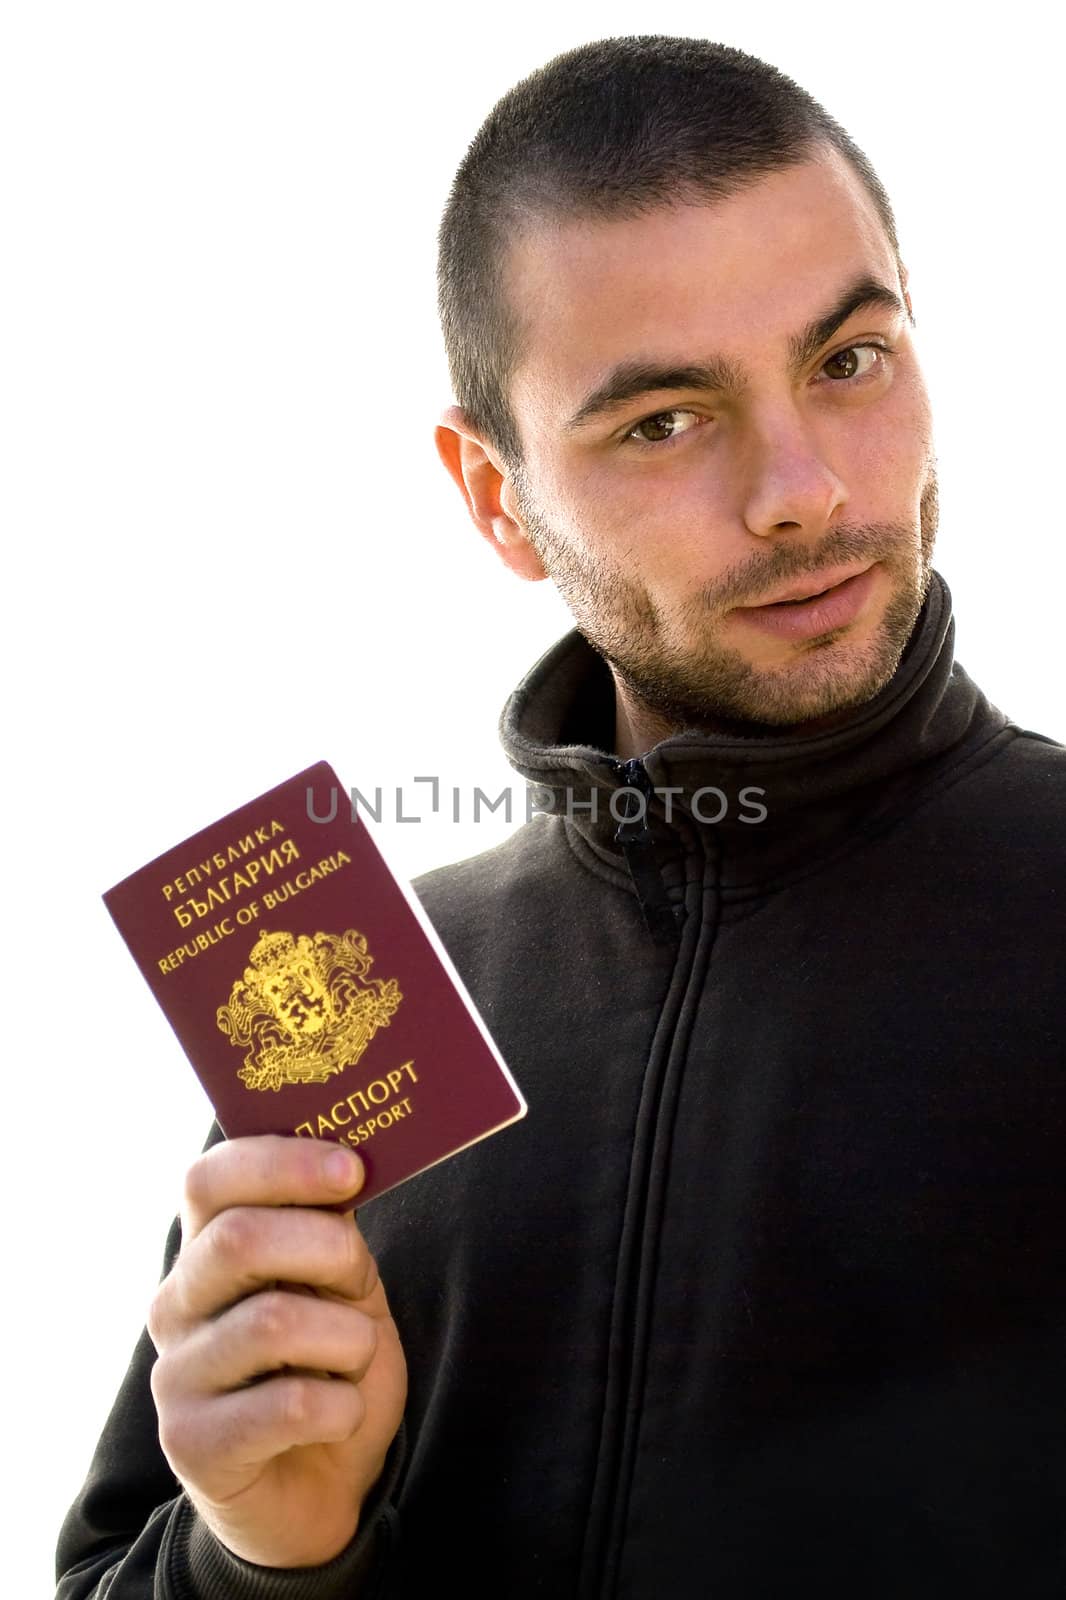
[(630, 379), (866, 294)]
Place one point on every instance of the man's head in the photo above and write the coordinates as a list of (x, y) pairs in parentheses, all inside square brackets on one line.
[(679, 336)]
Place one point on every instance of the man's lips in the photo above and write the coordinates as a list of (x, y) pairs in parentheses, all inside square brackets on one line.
[(813, 606), (809, 588)]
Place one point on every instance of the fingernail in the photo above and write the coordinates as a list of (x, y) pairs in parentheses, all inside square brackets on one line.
[(344, 1169)]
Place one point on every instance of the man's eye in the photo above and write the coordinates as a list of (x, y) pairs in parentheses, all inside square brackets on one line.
[(854, 362), (664, 425)]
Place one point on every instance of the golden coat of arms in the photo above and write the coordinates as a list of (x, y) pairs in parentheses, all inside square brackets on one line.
[(306, 1007)]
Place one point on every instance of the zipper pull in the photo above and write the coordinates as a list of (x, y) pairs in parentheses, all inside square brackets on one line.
[(634, 826), (635, 838)]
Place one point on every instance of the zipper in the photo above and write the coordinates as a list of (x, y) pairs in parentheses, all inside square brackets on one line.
[(635, 837), (650, 1177)]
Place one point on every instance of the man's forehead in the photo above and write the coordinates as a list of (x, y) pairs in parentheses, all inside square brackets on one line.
[(730, 273)]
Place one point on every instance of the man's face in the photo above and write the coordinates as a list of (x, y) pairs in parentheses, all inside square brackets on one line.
[(670, 505)]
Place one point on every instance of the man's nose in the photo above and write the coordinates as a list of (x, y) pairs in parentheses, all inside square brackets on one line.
[(790, 487)]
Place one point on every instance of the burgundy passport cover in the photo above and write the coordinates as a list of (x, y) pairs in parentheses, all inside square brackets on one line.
[(309, 989)]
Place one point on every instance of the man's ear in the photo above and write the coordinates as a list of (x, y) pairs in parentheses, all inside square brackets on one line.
[(489, 492)]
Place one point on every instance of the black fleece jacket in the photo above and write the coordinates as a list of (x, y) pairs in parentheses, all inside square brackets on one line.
[(767, 1294)]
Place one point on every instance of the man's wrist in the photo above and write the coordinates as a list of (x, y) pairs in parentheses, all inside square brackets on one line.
[(201, 1567)]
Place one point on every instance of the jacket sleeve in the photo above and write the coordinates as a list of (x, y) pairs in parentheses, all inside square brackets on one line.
[(132, 1534)]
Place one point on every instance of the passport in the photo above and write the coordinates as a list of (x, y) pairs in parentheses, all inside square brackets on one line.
[(310, 990)]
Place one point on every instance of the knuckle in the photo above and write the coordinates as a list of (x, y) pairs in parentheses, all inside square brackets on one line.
[(269, 1317), (156, 1320), (169, 1386), (175, 1435), (365, 1341), (359, 1263), (158, 1382), (371, 1275), (295, 1401), (230, 1236), (198, 1185), (349, 1246), (352, 1250)]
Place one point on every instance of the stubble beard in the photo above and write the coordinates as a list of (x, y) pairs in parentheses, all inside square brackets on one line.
[(711, 684)]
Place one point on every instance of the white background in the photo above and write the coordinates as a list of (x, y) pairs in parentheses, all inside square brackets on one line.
[(230, 550)]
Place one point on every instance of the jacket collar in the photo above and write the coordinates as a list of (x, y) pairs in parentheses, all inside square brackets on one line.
[(558, 726)]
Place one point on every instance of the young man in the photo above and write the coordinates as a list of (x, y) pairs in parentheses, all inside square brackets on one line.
[(767, 1292)]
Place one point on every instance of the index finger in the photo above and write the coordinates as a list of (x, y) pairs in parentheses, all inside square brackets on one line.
[(267, 1170)]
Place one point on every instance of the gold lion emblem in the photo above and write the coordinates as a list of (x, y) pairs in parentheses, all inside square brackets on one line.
[(306, 1007)]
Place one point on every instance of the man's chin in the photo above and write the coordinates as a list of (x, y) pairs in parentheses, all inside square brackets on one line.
[(727, 693), (829, 677)]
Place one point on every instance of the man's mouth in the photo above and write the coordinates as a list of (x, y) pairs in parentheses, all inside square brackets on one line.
[(815, 606), (807, 589)]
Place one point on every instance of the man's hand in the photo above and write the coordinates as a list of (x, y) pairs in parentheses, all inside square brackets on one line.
[(277, 1461)]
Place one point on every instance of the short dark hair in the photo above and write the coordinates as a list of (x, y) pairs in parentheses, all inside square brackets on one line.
[(611, 129)]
